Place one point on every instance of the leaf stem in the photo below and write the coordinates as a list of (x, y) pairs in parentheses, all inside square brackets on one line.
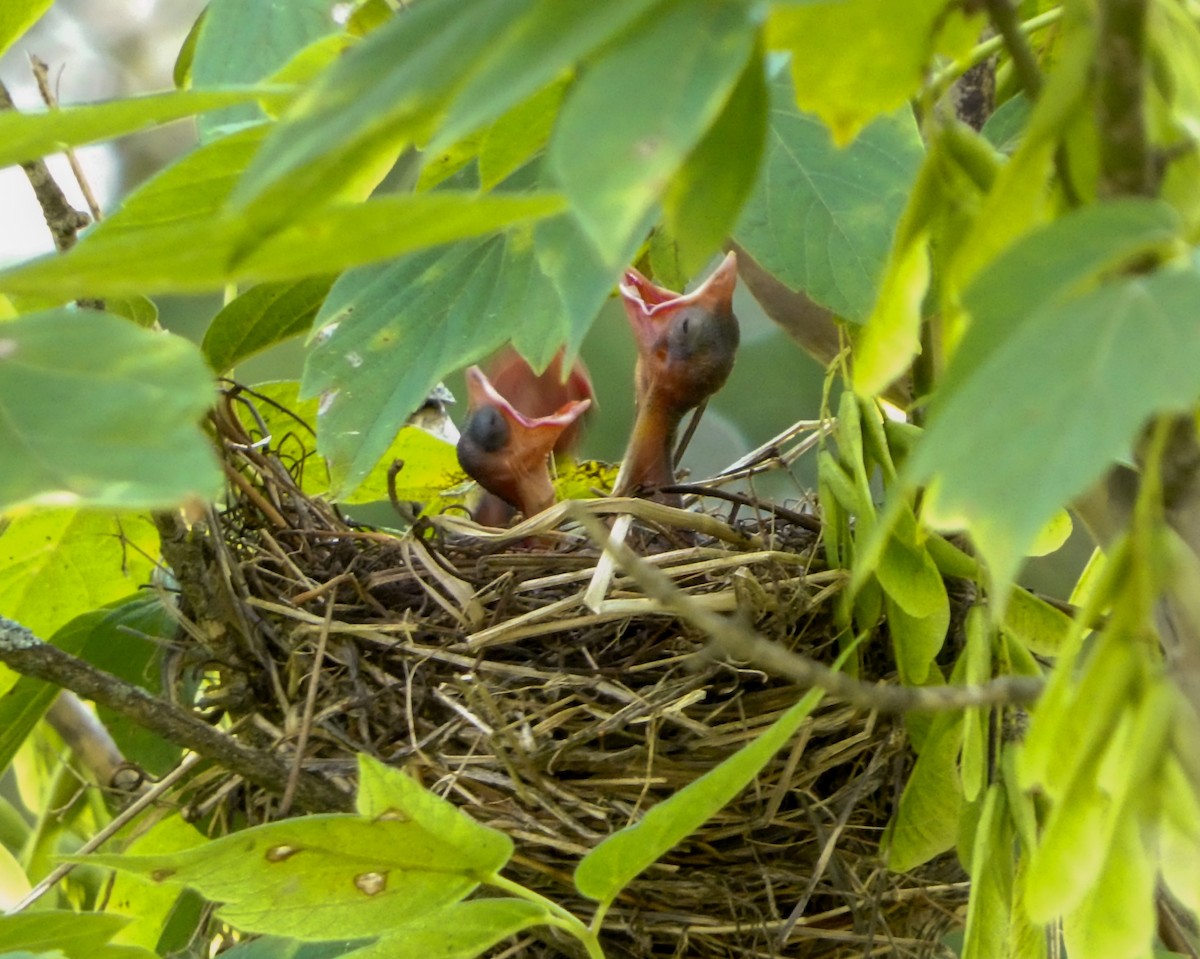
[(989, 47), (560, 918), (1003, 16)]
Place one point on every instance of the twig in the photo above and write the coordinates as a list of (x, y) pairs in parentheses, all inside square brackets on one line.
[(1127, 165), (26, 654), (63, 219), (41, 73), (741, 643), (310, 707), (1003, 17), (89, 741), (118, 823)]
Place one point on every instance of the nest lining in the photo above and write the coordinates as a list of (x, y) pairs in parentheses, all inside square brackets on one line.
[(473, 660)]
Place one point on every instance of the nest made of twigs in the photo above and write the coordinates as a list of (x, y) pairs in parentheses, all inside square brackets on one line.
[(474, 660)]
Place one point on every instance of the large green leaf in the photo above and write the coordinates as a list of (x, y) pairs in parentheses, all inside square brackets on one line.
[(321, 877), (94, 410), (820, 218), (241, 42), (636, 113), (1054, 404), (27, 136), (78, 936), (858, 59), (463, 930), (17, 16), (195, 256), (387, 334), (991, 880), (548, 39)]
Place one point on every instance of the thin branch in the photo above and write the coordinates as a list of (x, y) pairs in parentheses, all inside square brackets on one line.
[(24, 653), (63, 219), (1127, 166), (41, 73), (741, 643), (1004, 19)]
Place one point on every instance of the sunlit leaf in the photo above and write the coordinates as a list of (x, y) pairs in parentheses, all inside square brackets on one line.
[(27, 136), (926, 822), (135, 396), (459, 931), (321, 877), (991, 881), (855, 60), (78, 936), (192, 256), (17, 16)]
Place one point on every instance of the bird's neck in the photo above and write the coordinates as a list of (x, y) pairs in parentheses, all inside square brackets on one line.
[(649, 460)]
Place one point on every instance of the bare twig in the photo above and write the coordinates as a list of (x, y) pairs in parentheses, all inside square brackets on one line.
[(26, 654), (741, 643), (41, 73)]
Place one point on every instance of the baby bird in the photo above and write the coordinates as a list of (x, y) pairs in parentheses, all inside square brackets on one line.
[(505, 451), (686, 345)]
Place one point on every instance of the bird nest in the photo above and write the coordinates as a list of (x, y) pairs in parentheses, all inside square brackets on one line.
[(490, 668)]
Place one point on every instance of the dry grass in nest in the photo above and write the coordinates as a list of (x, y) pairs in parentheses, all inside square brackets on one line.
[(474, 660)]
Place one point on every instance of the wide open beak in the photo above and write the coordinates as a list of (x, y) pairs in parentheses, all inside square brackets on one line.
[(650, 307)]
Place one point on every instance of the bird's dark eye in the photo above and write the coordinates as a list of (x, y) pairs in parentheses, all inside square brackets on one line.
[(487, 429)]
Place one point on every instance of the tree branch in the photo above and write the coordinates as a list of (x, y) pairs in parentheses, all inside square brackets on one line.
[(741, 643), (23, 652), (1126, 162)]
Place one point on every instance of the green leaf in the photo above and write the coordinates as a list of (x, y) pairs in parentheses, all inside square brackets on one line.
[(1050, 264), (608, 868), (514, 138), (926, 820), (387, 793), (916, 640), (16, 17), (22, 707), (1005, 127), (1037, 625), (261, 317), (387, 334), (317, 878), (1179, 825), (27, 136), (1080, 377), (1117, 919), (135, 397), (77, 935), (991, 881), (616, 147), (242, 42), (707, 194), (821, 219), (383, 94), (855, 60), (274, 947), (536, 47), (460, 931), (193, 257)]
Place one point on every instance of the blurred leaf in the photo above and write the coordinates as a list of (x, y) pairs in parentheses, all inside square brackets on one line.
[(181, 72), (147, 903), (462, 930), (1005, 127), (988, 911), (632, 118), (916, 640), (27, 136), (610, 867), (317, 878), (1117, 919), (1129, 344), (76, 935), (386, 793), (16, 17), (132, 439), (387, 334), (925, 823), (382, 95), (706, 196), (583, 480), (196, 256), (261, 317), (100, 629), (243, 42), (1179, 823), (14, 884), (276, 947), (545, 39), (821, 219), (520, 133), (140, 309), (1038, 626), (856, 60)]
